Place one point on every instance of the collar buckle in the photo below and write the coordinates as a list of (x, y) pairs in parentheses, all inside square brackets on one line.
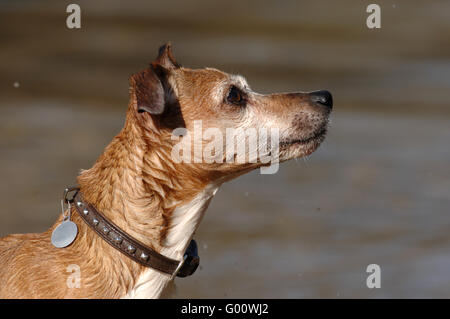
[(190, 261), (175, 273)]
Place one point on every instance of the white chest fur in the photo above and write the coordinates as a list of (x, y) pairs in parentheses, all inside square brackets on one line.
[(184, 222)]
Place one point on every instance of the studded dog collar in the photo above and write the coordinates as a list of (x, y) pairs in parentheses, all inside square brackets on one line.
[(131, 247)]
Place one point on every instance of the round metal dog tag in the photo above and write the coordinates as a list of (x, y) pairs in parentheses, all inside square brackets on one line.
[(64, 234)]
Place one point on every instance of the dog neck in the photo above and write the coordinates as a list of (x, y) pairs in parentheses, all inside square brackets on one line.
[(185, 220), (135, 185)]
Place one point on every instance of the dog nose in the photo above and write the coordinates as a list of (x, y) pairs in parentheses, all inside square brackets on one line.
[(322, 97)]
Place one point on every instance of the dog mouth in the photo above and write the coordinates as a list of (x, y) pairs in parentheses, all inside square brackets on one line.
[(317, 136)]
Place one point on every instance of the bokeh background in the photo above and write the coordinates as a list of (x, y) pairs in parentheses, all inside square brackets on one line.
[(377, 191)]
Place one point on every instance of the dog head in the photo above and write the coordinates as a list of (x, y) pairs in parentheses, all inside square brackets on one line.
[(167, 97)]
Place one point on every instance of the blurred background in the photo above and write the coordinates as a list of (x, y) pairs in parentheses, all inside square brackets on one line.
[(377, 191)]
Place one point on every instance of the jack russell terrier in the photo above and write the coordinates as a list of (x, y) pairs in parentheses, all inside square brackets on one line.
[(129, 224)]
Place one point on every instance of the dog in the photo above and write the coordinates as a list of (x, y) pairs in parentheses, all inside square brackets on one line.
[(138, 186)]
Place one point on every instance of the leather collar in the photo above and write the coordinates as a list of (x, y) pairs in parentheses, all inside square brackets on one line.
[(130, 246)]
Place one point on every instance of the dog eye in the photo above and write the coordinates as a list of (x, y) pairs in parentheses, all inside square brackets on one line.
[(235, 96)]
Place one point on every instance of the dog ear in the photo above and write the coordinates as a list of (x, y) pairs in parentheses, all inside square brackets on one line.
[(148, 91), (165, 57), (147, 85)]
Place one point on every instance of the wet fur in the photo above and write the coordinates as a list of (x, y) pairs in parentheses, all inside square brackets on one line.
[(135, 184)]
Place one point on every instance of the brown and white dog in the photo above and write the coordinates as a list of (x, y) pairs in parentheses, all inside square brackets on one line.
[(138, 186)]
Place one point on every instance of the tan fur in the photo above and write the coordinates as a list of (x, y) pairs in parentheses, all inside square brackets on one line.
[(136, 185)]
